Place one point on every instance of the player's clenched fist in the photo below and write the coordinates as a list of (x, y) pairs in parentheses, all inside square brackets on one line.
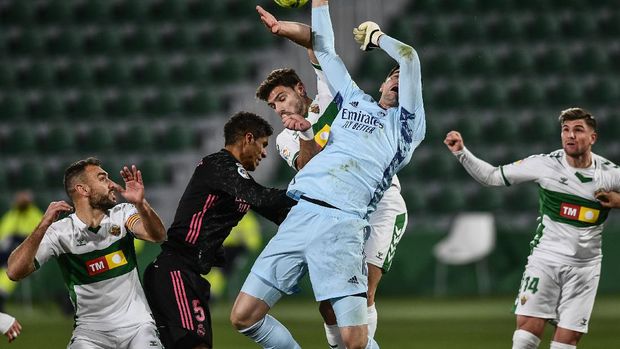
[(454, 141)]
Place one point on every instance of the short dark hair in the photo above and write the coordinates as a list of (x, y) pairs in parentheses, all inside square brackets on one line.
[(577, 114), (280, 77), (75, 170), (244, 122)]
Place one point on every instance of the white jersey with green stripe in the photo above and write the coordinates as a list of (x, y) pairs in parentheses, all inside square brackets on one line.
[(571, 219), (99, 269)]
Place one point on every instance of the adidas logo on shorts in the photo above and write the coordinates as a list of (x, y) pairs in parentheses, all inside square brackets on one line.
[(353, 280)]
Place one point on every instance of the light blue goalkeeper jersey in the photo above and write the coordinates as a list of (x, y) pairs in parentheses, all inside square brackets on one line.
[(367, 144)]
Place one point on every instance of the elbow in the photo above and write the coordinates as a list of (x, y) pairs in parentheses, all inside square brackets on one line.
[(12, 274), (161, 237)]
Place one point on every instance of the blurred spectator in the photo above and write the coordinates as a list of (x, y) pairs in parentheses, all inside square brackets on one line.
[(15, 226)]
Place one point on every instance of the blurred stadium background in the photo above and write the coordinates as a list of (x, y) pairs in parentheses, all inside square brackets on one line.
[(152, 82)]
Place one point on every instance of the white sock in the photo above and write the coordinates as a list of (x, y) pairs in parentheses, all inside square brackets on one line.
[(332, 333), (556, 345), (372, 321), (524, 340)]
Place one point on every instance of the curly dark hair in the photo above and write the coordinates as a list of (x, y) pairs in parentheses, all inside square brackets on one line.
[(243, 122)]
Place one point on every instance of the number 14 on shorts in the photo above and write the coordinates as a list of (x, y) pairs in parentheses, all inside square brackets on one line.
[(530, 284)]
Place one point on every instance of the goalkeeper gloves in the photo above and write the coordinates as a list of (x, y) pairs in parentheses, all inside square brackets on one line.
[(367, 35)]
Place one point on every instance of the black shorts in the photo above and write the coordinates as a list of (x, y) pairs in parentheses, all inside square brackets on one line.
[(178, 297)]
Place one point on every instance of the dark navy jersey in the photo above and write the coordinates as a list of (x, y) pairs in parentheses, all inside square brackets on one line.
[(218, 195)]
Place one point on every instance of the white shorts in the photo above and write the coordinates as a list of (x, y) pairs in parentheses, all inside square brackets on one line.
[(561, 293), (387, 226), (143, 336)]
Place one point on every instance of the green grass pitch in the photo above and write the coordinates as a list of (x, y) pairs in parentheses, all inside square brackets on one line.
[(403, 323)]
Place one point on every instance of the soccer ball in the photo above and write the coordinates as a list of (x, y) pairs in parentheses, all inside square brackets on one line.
[(291, 3)]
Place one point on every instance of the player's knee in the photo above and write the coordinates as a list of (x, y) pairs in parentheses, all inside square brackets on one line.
[(355, 339), (240, 319), (532, 325)]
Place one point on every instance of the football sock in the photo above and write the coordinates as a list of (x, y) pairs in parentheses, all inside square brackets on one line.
[(372, 321), (332, 333), (270, 334), (556, 345), (524, 340)]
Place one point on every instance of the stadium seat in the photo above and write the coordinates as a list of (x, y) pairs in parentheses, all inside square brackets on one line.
[(92, 11), (177, 138), (113, 73), (21, 140), (376, 67), (59, 140), (543, 27), (38, 74), (603, 91), (7, 76), (29, 175), (501, 129), (254, 36), (565, 93), (99, 139), (522, 197), (47, 107), (581, 25), (201, 103), (140, 40), (471, 239), (495, 5), (19, 12), (452, 96), (505, 29), (138, 138), (436, 31), (104, 41), (129, 10), (65, 42), (232, 69), (192, 71), (543, 127), (527, 94), (610, 26), (151, 72), (12, 107), (479, 63), (470, 29), (415, 198), (74, 74), (221, 38), (591, 59), (4, 184), (167, 10), (178, 38), (458, 6), (469, 127), (554, 60), (163, 103), (449, 199), (425, 6), (153, 171), (516, 62), (405, 30), (86, 106), (54, 11), (490, 95), (485, 199), (199, 9), (439, 165), (122, 105), (240, 8)]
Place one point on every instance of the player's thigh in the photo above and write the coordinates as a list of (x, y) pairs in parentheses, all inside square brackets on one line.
[(179, 301), (89, 339), (335, 258), (387, 226), (146, 336), (579, 289), (539, 291), (282, 262)]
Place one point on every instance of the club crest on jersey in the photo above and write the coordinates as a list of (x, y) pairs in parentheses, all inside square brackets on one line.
[(314, 109), (115, 230), (523, 300), (105, 263), (242, 172), (579, 213)]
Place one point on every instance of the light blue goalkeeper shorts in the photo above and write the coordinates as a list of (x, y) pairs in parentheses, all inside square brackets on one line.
[(326, 242)]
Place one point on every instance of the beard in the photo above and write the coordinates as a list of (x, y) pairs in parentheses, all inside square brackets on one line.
[(101, 202)]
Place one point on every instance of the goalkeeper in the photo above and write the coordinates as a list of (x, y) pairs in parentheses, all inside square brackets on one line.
[(337, 190), (284, 91)]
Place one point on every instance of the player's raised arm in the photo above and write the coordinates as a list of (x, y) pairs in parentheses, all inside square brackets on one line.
[(324, 48), (21, 262), (480, 170), (149, 227)]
